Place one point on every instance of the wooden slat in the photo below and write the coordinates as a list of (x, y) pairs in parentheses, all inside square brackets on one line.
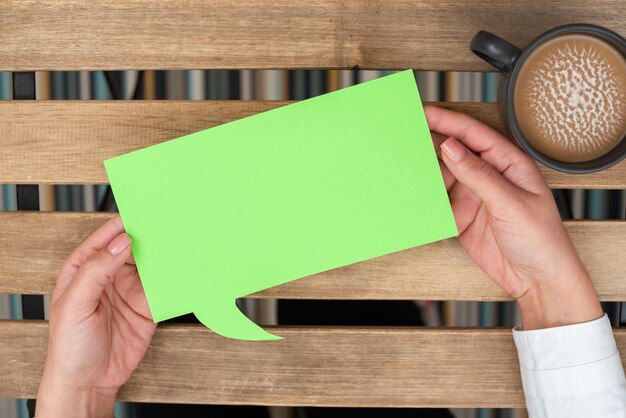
[(373, 367), (63, 142), (379, 34), (33, 246)]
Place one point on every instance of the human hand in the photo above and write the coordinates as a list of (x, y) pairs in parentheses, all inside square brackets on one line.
[(508, 222), (100, 327)]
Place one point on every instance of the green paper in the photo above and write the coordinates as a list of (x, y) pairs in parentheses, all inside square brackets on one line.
[(305, 188)]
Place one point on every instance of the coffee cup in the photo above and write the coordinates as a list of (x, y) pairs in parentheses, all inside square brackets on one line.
[(563, 97)]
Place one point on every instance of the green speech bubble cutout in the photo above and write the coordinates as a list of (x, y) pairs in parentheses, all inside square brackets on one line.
[(294, 191)]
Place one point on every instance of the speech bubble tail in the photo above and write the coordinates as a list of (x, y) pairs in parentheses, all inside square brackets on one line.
[(228, 321)]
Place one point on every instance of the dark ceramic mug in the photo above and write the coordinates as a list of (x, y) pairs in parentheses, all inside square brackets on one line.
[(509, 59)]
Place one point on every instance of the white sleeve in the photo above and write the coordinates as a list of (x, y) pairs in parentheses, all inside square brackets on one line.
[(573, 371)]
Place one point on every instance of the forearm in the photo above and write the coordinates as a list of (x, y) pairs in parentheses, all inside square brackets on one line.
[(59, 400), (570, 299)]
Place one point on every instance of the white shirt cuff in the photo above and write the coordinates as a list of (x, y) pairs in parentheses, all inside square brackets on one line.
[(563, 363)]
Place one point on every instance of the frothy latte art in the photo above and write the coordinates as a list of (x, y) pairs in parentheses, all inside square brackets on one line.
[(570, 98)]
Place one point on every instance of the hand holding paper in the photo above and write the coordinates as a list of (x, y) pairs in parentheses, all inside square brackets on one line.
[(281, 195)]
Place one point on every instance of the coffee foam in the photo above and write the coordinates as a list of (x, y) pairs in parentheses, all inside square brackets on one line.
[(575, 98)]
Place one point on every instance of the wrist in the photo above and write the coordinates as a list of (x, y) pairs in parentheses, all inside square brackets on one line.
[(570, 299), (56, 399)]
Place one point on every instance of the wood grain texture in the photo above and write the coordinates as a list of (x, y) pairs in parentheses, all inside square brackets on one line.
[(33, 246), (65, 142), (359, 367), (379, 34)]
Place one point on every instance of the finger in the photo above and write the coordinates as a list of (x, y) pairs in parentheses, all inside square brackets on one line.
[(437, 141), (465, 205), (129, 288), (494, 148), (135, 321), (95, 273), (96, 242), (479, 176), (448, 178), (474, 134)]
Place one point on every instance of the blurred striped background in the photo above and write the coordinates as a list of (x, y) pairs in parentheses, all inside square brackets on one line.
[(277, 85)]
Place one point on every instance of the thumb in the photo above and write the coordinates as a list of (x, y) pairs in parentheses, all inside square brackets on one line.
[(95, 273), (478, 175)]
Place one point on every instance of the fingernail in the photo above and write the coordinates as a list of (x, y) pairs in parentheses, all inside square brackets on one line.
[(453, 149), (119, 244)]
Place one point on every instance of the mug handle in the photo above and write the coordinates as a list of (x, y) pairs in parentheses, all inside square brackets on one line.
[(495, 50)]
